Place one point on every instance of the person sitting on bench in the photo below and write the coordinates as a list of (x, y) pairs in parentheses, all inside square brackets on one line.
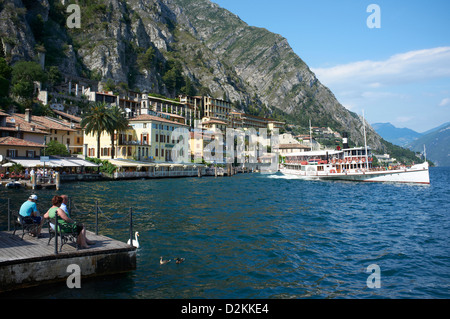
[(66, 222), (30, 214)]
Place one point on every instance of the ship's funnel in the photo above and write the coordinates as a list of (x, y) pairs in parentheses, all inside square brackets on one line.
[(344, 140)]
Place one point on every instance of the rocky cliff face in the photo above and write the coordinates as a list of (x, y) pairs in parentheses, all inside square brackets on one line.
[(139, 43)]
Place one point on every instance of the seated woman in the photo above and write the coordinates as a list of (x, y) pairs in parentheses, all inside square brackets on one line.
[(65, 221)]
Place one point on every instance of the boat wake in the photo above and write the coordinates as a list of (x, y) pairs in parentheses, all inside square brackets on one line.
[(284, 176)]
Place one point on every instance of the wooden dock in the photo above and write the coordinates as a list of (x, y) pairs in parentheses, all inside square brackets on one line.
[(31, 261)]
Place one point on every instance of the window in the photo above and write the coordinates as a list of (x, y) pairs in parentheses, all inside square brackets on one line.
[(11, 153), (31, 154)]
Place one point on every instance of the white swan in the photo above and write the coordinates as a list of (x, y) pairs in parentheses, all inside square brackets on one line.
[(135, 241), (162, 262)]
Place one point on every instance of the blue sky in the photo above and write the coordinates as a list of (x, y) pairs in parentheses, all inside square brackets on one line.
[(399, 73)]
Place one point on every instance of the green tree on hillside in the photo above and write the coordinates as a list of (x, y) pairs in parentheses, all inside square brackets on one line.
[(5, 77), (24, 73), (173, 77)]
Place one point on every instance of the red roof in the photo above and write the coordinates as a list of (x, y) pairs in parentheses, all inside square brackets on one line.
[(14, 141), (47, 123)]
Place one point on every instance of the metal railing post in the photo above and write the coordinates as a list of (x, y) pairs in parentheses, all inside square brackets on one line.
[(96, 217), (56, 233), (131, 226), (9, 214)]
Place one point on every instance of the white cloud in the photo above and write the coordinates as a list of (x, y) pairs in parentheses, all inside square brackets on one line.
[(409, 67), (445, 102), (395, 90)]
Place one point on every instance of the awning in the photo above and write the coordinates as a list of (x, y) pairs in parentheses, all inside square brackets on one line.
[(55, 162), (8, 164), (125, 163)]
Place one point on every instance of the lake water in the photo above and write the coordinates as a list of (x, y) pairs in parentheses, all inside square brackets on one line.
[(258, 236)]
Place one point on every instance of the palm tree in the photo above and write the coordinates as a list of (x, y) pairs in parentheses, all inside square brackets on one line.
[(96, 121), (118, 123)]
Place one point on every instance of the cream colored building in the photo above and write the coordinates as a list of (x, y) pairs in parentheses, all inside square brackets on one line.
[(13, 147), (149, 137), (57, 130), (42, 129)]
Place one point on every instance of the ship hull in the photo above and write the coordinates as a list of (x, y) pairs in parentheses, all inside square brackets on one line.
[(418, 174)]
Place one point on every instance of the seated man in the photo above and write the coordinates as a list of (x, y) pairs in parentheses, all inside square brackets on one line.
[(30, 214)]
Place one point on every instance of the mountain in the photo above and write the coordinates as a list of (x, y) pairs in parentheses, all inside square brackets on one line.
[(397, 136), (437, 144), (176, 46), (436, 128)]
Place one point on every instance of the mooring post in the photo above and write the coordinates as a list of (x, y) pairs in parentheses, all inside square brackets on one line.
[(96, 217), (131, 226), (33, 180), (57, 180)]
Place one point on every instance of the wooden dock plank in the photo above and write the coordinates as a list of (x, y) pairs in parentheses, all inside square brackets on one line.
[(22, 258), (13, 247)]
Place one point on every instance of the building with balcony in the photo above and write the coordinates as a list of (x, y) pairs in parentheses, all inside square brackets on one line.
[(245, 121), (148, 138), (177, 110)]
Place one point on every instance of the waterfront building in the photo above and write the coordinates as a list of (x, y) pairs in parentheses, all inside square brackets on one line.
[(156, 132), (198, 141), (41, 130), (148, 138), (13, 147), (18, 127), (58, 130)]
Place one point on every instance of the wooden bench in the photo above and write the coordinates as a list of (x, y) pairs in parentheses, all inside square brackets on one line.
[(65, 233)]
